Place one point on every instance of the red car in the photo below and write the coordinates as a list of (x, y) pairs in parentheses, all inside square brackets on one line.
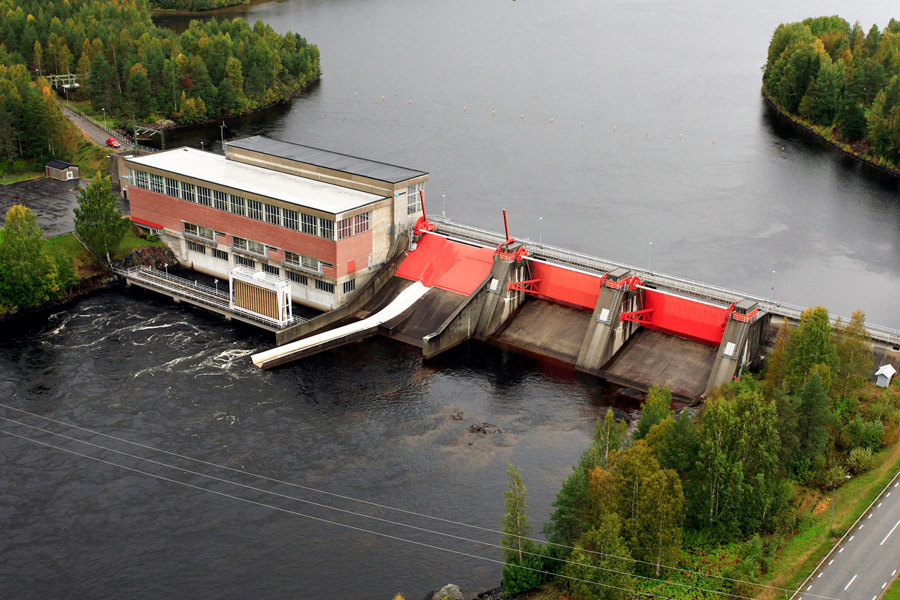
[(112, 143)]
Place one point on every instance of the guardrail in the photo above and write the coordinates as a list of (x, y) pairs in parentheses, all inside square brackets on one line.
[(112, 132), (592, 263), (201, 294)]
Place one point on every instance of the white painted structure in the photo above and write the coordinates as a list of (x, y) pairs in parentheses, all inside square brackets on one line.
[(261, 279), (884, 374)]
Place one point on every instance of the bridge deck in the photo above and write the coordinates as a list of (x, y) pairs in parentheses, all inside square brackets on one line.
[(546, 329), (652, 357)]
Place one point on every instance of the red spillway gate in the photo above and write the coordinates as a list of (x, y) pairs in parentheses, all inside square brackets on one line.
[(439, 262)]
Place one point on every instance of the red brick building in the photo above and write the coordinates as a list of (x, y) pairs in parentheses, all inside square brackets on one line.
[(322, 220)]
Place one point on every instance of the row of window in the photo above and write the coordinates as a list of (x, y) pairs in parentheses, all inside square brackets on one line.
[(412, 199), (247, 207), (245, 261)]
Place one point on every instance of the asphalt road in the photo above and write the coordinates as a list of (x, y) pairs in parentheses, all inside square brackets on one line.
[(50, 200), (863, 564), (94, 133)]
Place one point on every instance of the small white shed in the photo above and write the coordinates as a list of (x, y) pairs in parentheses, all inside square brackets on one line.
[(883, 375)]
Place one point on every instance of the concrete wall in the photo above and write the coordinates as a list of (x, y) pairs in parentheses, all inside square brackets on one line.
[(460, 326)]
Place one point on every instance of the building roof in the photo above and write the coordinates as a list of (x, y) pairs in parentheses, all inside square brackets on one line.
[(59, 164), (887, 370), (216, 169), (330, 160)]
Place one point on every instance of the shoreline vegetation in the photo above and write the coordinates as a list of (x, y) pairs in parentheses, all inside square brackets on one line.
[(839, 84), (194, 6), (133, 72)]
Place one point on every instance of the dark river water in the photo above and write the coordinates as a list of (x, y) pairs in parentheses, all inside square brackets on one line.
[(601, 126)]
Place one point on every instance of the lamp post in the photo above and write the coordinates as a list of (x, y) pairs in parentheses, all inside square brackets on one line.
[(649, 256), (201, 145), (104, 117), (541, 231), (831, 526), (222, 131), (216, 281), (166, 266), (443, 205)]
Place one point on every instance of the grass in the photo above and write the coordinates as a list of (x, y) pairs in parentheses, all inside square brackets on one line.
[(131, 242), (804, 550), (893, 592), (83, 262)]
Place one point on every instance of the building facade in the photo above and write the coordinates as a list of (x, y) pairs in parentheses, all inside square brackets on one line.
[(322, 220)]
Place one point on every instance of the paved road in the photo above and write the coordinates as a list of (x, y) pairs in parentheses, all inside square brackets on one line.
[(94, 133), (863, 564), (50, 200)]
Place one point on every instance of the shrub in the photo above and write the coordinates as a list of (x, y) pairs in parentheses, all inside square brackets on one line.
[(860, 460)]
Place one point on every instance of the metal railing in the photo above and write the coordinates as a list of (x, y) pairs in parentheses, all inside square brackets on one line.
[(199, 293), (112, 132), (601, 265)]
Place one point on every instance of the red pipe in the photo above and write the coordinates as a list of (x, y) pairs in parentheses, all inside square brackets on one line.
[(506, 226), (422, 199)]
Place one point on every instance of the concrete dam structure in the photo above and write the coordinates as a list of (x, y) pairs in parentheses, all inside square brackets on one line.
[(604, 322)]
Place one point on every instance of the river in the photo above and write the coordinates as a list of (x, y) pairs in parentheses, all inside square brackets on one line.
[(601, 126)]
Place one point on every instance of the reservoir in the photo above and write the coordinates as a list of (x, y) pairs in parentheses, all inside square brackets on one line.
[(602, 127)]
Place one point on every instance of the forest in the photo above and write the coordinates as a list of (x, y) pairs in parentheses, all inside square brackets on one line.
[(841, 82), (195, 4), (135, 71), (716, 492)]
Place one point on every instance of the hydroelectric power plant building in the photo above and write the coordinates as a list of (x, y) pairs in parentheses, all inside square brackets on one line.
[(322, 221)]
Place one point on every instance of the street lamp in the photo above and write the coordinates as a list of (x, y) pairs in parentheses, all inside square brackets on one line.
[(649, 256), (443, 205), (773, 284), (830, 527), (201, 145), (104, 117), (541, 230), (166, 266), (216, 281)]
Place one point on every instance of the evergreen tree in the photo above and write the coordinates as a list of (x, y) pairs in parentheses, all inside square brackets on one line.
[(97, 219), (28, 275)]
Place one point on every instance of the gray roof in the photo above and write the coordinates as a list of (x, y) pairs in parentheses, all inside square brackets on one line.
[(59, 164), (328, 159)]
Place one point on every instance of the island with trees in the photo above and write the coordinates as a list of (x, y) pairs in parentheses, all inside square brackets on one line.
[(841, 83), (195, 5), (713, 502)]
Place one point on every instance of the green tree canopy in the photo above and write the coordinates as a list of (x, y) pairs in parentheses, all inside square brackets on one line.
[(657, 406), (97, 219), (28, 275)]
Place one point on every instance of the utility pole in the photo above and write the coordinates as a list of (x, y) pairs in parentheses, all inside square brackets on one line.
[(222, 130)]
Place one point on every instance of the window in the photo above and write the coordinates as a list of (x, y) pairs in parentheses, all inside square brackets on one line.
[(291, 258), (308, 262), (324, 286), (272, 214), (156, 183), (237, 205), (298, 278), (309, 224), (244, 261), (195, 247), (349, 286), (361, 223), (326, 229), (271, 270), (239, 243), (289, 218), (256, 247), (412, 199), (199, 231), (220, 200), (171, 187), (254, 209), (139, 179), (220, 254), (187, 192), (345, 228), (204, 196)]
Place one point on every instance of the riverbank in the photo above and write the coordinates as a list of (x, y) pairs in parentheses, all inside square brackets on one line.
[(820, 134)]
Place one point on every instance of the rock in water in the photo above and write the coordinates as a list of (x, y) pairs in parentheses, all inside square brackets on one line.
[(448, 591), (484, 428)]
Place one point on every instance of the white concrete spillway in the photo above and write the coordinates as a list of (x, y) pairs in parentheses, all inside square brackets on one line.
[(402, 302)]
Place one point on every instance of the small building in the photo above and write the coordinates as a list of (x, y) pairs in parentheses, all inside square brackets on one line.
[(884, 374), (321, 220), (61, 170)]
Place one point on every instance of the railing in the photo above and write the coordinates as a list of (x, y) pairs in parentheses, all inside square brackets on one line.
[(539, 250), (112, 132), (201, 294)]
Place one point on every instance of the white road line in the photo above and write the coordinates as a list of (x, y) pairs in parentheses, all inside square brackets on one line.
[(883, 585), (879, 505), (889, 535), (870, 516), (849, 583), (819, 575), (888, 494), (851, 538), (830, 561), (841, 550), (894, 572), (809, 588), (861, 526)]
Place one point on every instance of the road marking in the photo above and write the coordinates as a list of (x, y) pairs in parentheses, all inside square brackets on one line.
[(819, 575), (894, 572), (879, 505), (883, 584), (849, 583), (861, 526), (830, 561), (851, 538), (841, 550), (889, 535), (870, 516), (809, 588), (888, 494)]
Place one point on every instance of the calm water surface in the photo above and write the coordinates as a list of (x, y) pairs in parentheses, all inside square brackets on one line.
[(602, 126)]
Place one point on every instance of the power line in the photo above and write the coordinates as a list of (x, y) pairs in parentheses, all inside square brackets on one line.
[(382, 520), (328, 521), (383, 506)]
